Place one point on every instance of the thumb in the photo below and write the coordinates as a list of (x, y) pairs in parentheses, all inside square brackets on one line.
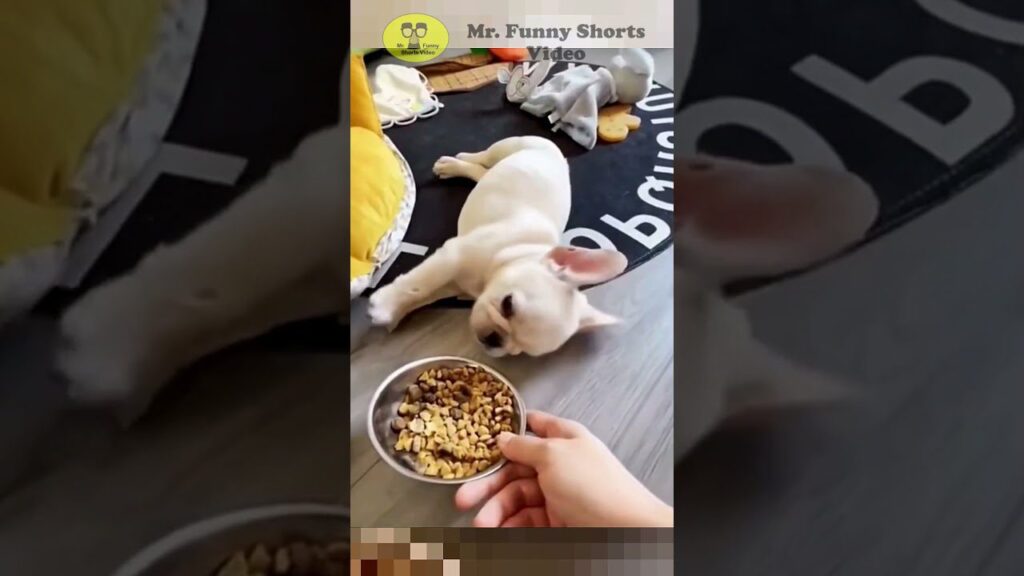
[(523, 449)]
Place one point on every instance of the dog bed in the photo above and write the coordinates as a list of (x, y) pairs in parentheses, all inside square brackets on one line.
[(383, 192), (264, 76), (622, 193), (101, 88)]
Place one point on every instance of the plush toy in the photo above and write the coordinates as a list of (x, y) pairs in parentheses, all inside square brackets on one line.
[(571, 99), (633, 71), (615, 122), (519, 83), (511, 54)]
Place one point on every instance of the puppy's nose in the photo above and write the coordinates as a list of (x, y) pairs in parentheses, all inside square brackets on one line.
[(492, 340)]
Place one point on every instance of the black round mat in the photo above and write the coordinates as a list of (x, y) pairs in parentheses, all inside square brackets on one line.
[(609, 183), (776, 72)]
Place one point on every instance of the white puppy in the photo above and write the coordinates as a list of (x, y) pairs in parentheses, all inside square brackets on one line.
[(507, 255), (743, 220)]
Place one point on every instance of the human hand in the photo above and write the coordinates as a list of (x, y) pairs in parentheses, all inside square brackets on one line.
[(563, 477)]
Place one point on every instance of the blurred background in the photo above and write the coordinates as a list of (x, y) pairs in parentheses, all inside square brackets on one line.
[(925, 319), (209, 95)]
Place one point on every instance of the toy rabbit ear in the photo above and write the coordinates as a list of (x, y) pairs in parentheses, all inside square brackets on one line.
[(539, 73), (513, 88), (504, 76)]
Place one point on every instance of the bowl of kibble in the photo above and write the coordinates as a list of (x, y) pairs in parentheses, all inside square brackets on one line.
[(437, 419), (277, 540)]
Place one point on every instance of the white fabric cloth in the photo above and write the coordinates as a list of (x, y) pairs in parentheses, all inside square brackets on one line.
[(571, 99), (402, 95)]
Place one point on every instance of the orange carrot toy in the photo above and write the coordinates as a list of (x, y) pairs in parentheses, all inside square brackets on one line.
[(511, 54)]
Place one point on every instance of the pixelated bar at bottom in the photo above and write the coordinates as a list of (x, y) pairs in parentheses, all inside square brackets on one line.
[(510, 567), (538, 552)]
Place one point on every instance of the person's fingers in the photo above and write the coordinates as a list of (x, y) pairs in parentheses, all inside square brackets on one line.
[(549, 426), (516, 495), (472, 494), (554, 521), (533, 517), (529, 450)]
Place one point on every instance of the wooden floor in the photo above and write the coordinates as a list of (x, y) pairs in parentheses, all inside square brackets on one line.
[(617, 382), (926, 478)]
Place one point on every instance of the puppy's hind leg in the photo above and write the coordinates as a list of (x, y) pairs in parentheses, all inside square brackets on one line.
[(503, 149), (448, 167)]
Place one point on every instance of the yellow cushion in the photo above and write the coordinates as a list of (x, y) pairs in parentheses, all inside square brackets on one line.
[(363, 111), (377, 189), (25, 224), (66, 65)]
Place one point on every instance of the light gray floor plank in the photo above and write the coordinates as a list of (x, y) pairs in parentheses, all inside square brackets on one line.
[(1007, 557)]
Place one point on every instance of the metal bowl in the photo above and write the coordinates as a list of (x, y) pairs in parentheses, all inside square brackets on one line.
[(389, 395), (201, 548)]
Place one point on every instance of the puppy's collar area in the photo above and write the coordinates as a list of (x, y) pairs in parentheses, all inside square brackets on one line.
[(559, 271), (562, 272), (517, 253)]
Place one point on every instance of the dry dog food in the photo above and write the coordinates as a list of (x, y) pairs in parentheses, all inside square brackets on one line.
[(450, 419), (292, 559)]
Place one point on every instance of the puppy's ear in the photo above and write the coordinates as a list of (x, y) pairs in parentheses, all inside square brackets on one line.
[(583, 266), (766, 381), (740, 219), (592, 318)]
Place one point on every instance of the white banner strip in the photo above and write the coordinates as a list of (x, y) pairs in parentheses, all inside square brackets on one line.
[(173, 159)]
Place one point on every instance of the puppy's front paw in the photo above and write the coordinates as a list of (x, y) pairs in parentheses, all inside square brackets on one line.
[(382, 310), (388, 305), (103, 353), (447, 167)]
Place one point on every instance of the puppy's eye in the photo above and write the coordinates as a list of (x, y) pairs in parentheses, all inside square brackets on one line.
[(492, 340), (507, 309)]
